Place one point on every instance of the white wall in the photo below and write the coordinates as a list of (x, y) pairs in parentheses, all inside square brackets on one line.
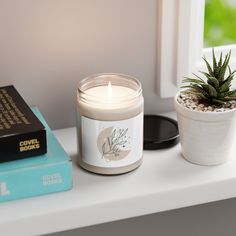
[(47, 46)]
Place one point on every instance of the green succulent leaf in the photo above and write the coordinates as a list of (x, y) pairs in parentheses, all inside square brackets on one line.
[(214, 82), (198, 77), (214, 59), (220, 61), (211, 90), (217, 101), (190, 80), (232, 71), (224, 67), (203, 97), (225, 86), (218, 68), (215, 87), (207, 75), (210, 71), (193, 86)]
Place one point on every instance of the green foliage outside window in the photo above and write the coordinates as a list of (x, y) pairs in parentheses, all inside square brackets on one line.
[(220, 22)]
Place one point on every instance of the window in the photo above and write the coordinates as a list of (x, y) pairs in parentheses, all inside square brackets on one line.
[(219, 23), (181, 43), (219, 28)]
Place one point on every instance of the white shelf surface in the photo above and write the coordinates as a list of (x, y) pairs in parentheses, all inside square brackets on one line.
[(163, 182)]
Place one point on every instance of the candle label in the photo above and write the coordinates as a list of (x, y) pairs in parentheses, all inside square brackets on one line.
[(112, 143)]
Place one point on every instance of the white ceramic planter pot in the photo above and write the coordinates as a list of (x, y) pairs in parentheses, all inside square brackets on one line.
[(206, 137)]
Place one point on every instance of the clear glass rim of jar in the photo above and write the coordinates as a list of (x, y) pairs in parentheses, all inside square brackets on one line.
[(115, 79)]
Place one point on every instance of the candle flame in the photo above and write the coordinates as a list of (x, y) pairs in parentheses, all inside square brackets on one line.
[(109, 89)]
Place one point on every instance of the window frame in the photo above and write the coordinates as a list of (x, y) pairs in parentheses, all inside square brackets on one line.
[(180, 43)]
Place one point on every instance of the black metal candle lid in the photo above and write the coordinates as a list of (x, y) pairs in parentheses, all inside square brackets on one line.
[(160, 132)]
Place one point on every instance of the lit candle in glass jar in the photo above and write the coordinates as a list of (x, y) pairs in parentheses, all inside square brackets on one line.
[(110, 123)]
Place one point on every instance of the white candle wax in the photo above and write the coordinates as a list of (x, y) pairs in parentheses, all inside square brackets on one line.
[(102, 92), (109, 95)]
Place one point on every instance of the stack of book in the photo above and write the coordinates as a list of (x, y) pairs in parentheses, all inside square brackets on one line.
[(32, 162)]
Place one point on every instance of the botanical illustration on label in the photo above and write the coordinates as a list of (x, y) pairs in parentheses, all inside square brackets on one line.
[(113, 143)]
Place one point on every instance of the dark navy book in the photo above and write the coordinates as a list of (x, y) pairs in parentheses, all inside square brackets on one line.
[(21, 132)]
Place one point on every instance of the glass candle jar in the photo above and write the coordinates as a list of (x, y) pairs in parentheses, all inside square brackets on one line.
[(109, 123)]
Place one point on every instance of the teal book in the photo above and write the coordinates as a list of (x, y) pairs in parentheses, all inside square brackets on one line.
[(39, 175)]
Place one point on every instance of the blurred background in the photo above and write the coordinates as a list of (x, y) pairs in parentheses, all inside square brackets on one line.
[(220, 23)]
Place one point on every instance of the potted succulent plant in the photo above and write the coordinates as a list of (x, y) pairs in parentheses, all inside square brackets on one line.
[(206, 113)]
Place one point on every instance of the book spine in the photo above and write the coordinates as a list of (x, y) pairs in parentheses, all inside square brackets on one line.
[(35, 181), (24, 145)]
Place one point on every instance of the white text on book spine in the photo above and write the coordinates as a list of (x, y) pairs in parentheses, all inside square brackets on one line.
[(52, 179), (3, 189)]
